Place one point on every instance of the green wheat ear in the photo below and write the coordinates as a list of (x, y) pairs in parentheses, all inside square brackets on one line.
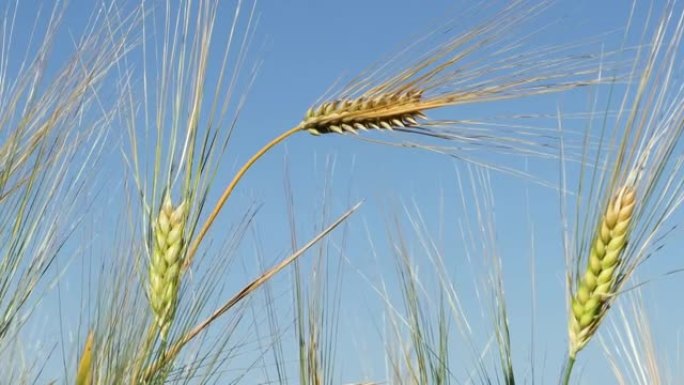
[(166, 262), (590, 300)]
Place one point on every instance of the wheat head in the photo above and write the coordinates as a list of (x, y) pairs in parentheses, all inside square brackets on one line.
[(84, 372), (484, 64), (386, 111), (634, 190), (589, 303), (165, 264)]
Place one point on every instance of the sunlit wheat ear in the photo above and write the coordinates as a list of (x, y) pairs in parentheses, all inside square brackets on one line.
[(590, 301), (383, 112), (485, 63), (166, 262)]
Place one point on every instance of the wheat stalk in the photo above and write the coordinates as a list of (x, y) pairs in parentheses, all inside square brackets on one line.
[(165, 264)]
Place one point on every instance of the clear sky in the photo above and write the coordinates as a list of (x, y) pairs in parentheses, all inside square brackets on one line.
[(304, 47)]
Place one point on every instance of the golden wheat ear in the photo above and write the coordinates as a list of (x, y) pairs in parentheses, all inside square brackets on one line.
[(487, 63), (386, 111)]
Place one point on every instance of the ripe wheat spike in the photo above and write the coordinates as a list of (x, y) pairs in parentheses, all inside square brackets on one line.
[(484, 64)]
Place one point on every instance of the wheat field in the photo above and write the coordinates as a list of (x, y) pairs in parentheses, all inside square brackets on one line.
[(360, 192)]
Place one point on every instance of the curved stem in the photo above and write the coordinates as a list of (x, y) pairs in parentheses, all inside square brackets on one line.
[(192, 250), (568, 370)]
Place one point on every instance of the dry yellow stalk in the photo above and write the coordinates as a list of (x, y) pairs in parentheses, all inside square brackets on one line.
[(590, 300), (84, 373), (166, 262)]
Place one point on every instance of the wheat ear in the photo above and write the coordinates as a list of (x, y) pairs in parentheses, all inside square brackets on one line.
[(590, 301), (386, 111), (84, 373), (165, 265)]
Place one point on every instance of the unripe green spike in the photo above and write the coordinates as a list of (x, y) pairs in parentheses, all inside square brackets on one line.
[(166, 262), (597, 285)]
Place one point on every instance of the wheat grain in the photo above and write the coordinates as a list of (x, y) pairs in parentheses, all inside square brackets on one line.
[(590, 304), (166, 262)]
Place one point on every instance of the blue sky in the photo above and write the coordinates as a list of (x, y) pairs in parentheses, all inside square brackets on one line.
[(305, 47)]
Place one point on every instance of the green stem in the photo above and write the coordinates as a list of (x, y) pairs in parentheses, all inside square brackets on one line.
[(568, 370), (144, 352)]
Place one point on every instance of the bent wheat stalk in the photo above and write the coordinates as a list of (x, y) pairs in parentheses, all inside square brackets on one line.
[(453, 74)]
